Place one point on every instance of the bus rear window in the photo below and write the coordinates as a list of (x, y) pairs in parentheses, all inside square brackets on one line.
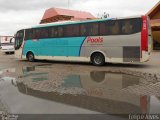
[(131, 26), (120, 27)]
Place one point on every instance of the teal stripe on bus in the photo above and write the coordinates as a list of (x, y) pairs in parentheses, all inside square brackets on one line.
[(70, 46)]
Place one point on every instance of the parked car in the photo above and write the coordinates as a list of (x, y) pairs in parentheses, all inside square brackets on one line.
[(8, 47)]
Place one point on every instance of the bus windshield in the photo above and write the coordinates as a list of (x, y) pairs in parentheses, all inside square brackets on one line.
[(19, 39)]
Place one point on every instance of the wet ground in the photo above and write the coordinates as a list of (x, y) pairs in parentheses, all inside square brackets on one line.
[(47, 87)]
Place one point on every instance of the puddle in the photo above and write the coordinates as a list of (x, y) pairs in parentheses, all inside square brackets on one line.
[(43, 90)]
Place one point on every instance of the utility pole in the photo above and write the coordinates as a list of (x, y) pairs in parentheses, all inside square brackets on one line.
[(68, 3)]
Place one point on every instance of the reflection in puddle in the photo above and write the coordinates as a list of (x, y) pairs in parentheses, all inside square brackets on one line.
[(99, 91)]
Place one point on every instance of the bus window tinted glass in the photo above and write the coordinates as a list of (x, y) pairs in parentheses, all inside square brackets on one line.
[(93, 29), (114, 27), (130, 26), (19, 39), (102, 28), (83, 30), (127, 27), (54, 32), (89, 29), (44, 33), (71, 31), (60, 31), (28, 34)]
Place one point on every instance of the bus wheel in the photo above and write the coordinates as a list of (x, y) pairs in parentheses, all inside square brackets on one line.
[(98, 59), (30, 57)]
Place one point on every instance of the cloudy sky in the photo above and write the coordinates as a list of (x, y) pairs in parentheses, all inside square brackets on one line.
[(18, 14)]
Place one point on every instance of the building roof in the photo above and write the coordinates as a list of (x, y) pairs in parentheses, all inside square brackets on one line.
[(57, 14), (155, 21), (154, 10)]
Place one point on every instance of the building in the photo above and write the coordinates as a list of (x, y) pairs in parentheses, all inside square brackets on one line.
[(5, 39), (58, 14), (154, 15)]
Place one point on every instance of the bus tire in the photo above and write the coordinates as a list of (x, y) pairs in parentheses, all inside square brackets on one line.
[(30, 57), (98, 59)]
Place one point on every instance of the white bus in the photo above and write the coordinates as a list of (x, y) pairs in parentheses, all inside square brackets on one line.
[(123, 40)]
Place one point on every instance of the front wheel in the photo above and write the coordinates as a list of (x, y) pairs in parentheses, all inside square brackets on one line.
[(30, 57), (98, 59)]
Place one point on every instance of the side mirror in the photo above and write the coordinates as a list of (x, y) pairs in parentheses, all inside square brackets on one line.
[(12, 40)]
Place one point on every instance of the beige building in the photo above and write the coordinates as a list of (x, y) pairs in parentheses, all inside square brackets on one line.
[(154, 15)]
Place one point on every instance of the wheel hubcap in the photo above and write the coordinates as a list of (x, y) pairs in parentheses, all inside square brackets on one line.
[(30, 57), (97, 60)]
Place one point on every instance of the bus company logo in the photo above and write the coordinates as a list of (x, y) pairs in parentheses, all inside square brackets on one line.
[(95, 40), (144, 25)]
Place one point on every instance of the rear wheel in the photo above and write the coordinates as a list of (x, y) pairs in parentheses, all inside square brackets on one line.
[(30, 57), (98, 59)]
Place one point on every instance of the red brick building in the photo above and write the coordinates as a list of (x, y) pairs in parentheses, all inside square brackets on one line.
[(58, 14)]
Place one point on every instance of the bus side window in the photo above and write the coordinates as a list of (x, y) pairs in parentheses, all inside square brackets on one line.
[(68, 31), (71, 31), (115, 28), (137, 25), (103, 28), (75, 30), (26, 35), (83, 30), (127, 27), (44, 33), (60, 31), (94, 29), (88, 29), (29, 34), (54, 32), (131, 26), (37, 33)]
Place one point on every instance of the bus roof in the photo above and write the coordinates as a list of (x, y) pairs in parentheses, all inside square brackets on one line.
[(77, 22), (69, 22)]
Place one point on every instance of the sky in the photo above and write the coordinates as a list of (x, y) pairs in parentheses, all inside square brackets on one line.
[(19, 14)]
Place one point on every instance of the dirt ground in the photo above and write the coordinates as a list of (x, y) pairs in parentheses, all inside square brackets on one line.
[(153, 66), (113, 88), (150, 71)]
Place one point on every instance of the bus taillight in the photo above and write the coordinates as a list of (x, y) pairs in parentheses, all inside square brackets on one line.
[(144, 34)]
